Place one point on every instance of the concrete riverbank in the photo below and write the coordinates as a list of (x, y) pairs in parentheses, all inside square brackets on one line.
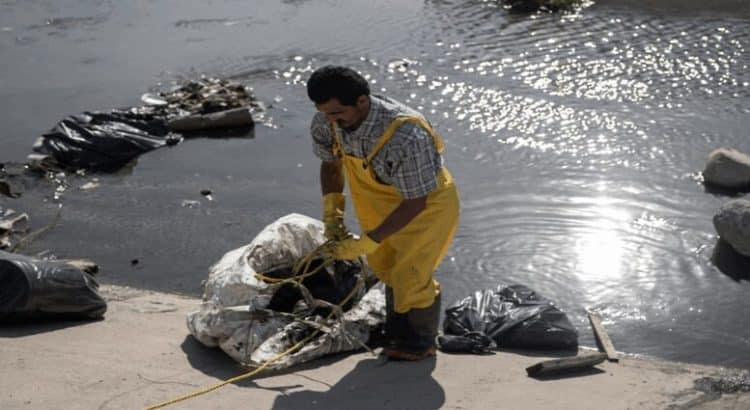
[(141, 354)]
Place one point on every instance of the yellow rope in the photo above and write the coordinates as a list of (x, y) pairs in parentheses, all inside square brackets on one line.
[(234, 379), (304, 261)]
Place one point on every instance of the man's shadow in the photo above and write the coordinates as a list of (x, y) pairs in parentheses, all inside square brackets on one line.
[(374, 384)]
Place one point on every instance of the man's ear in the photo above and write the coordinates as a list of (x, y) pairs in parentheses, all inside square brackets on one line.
[(362, 101)]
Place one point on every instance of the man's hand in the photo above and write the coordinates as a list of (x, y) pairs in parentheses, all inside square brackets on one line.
[(352, 248), (334, 204)]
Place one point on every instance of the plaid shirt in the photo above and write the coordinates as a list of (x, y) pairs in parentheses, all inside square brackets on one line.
[(409, 161)]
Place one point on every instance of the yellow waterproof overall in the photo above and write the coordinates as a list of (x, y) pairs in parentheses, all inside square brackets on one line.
[(405, 260)]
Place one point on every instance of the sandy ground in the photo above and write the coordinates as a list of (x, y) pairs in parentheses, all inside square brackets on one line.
[(141, 354)]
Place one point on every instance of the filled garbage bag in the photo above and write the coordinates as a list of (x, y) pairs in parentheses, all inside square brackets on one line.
[(512, 317), (254, 320), (36, 289), (103, 141)]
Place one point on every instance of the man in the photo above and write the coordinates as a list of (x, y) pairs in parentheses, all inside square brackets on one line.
[(405, 200)]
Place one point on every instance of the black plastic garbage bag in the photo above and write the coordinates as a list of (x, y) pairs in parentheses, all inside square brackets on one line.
[(332, 288), (103, 141), (513, 317), (35, 289)]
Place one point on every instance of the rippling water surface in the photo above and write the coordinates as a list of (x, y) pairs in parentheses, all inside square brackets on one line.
[(577, 141)]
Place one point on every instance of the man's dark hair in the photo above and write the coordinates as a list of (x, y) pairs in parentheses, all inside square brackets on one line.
[(341, 83)]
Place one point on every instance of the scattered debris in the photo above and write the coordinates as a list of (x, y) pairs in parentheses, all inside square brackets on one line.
[(90, 185), (208, 194), (189, 203), (12, 224), (738, 383)]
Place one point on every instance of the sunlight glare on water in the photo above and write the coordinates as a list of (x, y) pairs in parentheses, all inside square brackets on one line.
[(600, 251)]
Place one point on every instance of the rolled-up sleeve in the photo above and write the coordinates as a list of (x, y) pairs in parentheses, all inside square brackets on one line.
[(416, 164), (322, 138)]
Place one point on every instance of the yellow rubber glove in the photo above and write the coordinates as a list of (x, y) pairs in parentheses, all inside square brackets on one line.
[(334, 204), (352, 248)]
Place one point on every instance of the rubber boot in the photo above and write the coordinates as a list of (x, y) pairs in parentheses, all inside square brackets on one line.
[(411, 335)]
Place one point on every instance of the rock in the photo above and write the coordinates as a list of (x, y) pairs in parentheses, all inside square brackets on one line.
[(732, 223), (728, 168), (730, 262)]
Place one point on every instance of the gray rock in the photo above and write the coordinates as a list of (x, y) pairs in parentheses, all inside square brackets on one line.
[(732, 223), (728, 168)]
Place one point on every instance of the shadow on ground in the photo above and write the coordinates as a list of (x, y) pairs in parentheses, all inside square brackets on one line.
[(210, 361), (22, 327), (374, 384)]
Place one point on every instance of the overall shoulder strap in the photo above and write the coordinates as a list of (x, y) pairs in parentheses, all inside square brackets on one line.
[(338, 148), (393, 126)]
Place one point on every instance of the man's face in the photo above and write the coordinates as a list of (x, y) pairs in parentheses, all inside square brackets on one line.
[(348, 117)]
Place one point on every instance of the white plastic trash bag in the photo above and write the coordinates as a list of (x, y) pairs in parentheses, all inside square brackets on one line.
[(234, 314)]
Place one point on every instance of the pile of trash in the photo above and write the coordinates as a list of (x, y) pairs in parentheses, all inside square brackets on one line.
[(254, 311), (107, 141), (205, 96)]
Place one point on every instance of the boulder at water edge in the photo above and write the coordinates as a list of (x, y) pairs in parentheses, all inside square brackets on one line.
[(732, 223), (728, 168)]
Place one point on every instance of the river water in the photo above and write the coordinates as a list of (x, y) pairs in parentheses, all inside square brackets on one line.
[(577, 141)]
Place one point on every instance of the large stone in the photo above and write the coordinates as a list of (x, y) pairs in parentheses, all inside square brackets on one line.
[(728, 168), (732, 222)]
